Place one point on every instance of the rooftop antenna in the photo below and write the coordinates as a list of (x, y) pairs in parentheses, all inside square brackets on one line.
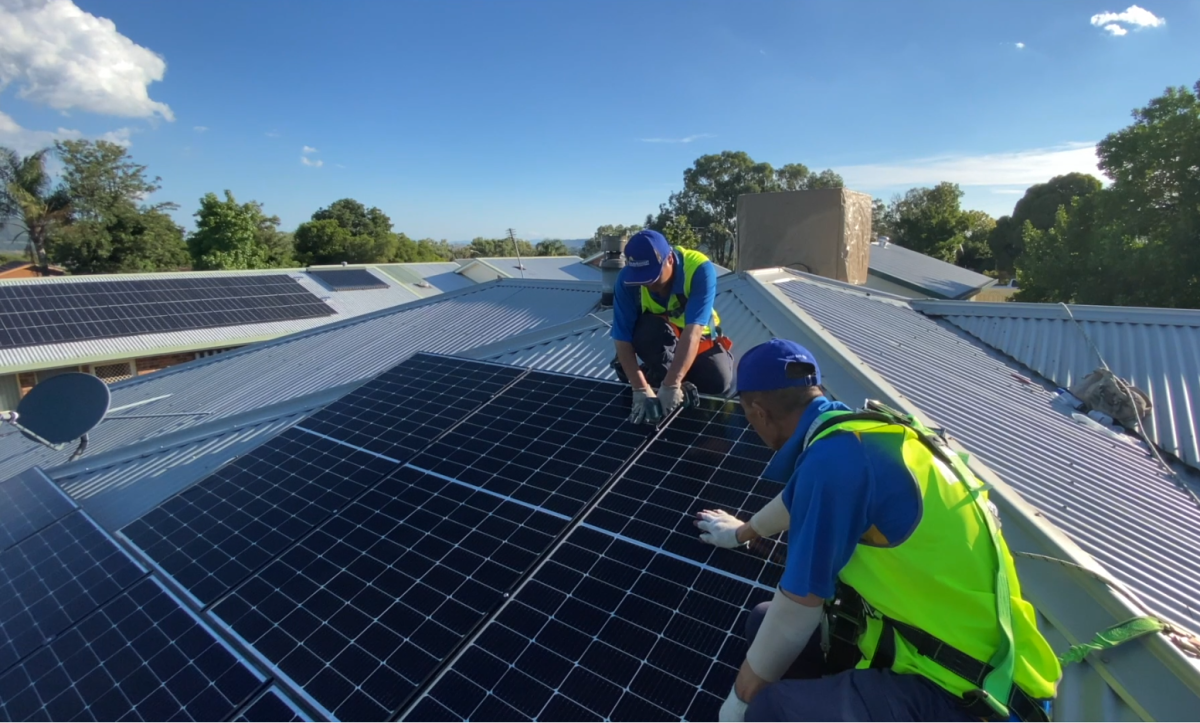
[(517, 248), (61, 409)]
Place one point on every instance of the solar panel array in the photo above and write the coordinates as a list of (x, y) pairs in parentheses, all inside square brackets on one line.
[(33, 314), (349, 279), (85, 634), (462, 540)]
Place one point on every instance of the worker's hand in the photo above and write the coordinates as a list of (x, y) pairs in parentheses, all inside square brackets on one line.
[(646, 409), (671, 397), (733, 709), (718, 527), (748, 684)]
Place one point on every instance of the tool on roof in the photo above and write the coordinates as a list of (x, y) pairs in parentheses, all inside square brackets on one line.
[(60, 410)]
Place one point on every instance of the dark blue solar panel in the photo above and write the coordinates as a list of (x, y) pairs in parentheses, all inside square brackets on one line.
[(604, 630), (272, 705), (141, 656), (29, 502), (707, 458), (362, 611), (348, 279)]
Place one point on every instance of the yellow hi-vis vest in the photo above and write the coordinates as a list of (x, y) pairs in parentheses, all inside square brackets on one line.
[(944, 578), (676, 306)]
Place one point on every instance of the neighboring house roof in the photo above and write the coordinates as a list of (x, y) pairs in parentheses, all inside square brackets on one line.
[(24, 269), (1156, 349), (346, 304), (924, 274), (550, 268), (596, 258), (428, 278)]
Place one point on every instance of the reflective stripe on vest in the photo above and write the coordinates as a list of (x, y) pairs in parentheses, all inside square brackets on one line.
[(952, 577), (677, 314)]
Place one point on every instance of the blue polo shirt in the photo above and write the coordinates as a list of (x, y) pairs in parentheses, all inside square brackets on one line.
[(835, 491), (627, 300)]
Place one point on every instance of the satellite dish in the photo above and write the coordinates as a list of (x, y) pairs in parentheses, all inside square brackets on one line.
[(63, 408)]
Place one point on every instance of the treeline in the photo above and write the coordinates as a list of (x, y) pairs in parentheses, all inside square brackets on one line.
[(95, 219)]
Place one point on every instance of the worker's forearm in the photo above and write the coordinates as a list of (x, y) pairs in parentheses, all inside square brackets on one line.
[(685, 354), (628, 359)]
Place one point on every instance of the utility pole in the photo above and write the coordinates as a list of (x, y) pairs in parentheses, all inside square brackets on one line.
[(513, 238)]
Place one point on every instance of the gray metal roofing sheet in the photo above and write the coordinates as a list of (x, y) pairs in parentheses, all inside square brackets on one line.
[(1158, 350), (272, 372), (1109, 495), (347, 304), (438, 274), (925, 273), (550, 268)]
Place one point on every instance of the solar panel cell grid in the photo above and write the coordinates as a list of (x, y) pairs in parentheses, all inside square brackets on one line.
[(348, 279), (53, 313), (549, 440), (365, 608), (270, 706), (217, 532), (707, 458), (139, 657), (55, 578), (399, 412), (29, 502), (604, 630)]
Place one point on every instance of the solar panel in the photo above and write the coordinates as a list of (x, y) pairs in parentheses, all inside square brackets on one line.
[(549, 440), (55, 578), (28, 502), (708, 457), (32, 314), (217, 532), (348, 279), (605, 630), (141, 656), (399, 412), (272, 705), (362, 611)]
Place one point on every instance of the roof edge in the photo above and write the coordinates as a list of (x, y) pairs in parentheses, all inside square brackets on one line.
[(1081, 312)]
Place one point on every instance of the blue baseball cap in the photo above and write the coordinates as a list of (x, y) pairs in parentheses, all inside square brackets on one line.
[(777, 364), (644, 257)]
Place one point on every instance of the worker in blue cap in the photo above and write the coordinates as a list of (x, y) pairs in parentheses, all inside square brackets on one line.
[(663, 315), (891, 535)]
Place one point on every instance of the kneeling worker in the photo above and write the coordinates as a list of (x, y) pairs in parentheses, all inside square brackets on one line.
[(884, 518), (663, 314)]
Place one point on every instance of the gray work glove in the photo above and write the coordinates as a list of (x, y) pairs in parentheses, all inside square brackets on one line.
[(670, 398), (646, 409)]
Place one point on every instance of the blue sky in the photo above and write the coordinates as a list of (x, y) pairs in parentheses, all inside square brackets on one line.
[(461, 119)]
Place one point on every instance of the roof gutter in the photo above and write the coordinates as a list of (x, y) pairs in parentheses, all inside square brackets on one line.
[(1078, 610)]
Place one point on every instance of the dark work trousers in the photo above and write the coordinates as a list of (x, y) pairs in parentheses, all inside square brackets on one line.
[(655, 341), (807, 694)]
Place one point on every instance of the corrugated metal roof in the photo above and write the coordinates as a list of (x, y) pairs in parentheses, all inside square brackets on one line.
[(1109, 495), (925, 274), (272, 372), (440, 276), (550, 268), (1157, 349), (346, 304)]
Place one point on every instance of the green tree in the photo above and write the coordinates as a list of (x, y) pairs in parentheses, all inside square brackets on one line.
[(552, 247), (280, 245), (27, 202), (680, 233), (930, 220), (881, 224), (489, 247), (99, 176), (1136, 242), (430, 250), (972, 250), (592, 245), (350, 232), (126, 240), (230, 235), (1039, 206)]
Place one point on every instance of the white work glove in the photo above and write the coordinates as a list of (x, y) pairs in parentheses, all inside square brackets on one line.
[(718, 527), (646, 409), (733, 709), (670, 398), (6, 416)]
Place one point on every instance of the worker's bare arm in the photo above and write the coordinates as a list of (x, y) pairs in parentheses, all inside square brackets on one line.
[(685, 354)]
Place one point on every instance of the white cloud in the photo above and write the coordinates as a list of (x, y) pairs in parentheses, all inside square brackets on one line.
[(308, 149), (1010, 191), (685, 139), (1020, 46), (25, 141), (994, 169), (120, 136), (311, 162), (1137, 17), (272, 134), (68, 59), (200, 129)]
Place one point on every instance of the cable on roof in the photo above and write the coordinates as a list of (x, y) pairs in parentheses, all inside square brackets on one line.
[(1175, 476)]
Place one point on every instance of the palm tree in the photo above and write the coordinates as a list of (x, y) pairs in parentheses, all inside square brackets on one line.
[(27, 202)]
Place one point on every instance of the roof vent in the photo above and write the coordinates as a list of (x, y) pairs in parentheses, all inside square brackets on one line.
[(613, 248)]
